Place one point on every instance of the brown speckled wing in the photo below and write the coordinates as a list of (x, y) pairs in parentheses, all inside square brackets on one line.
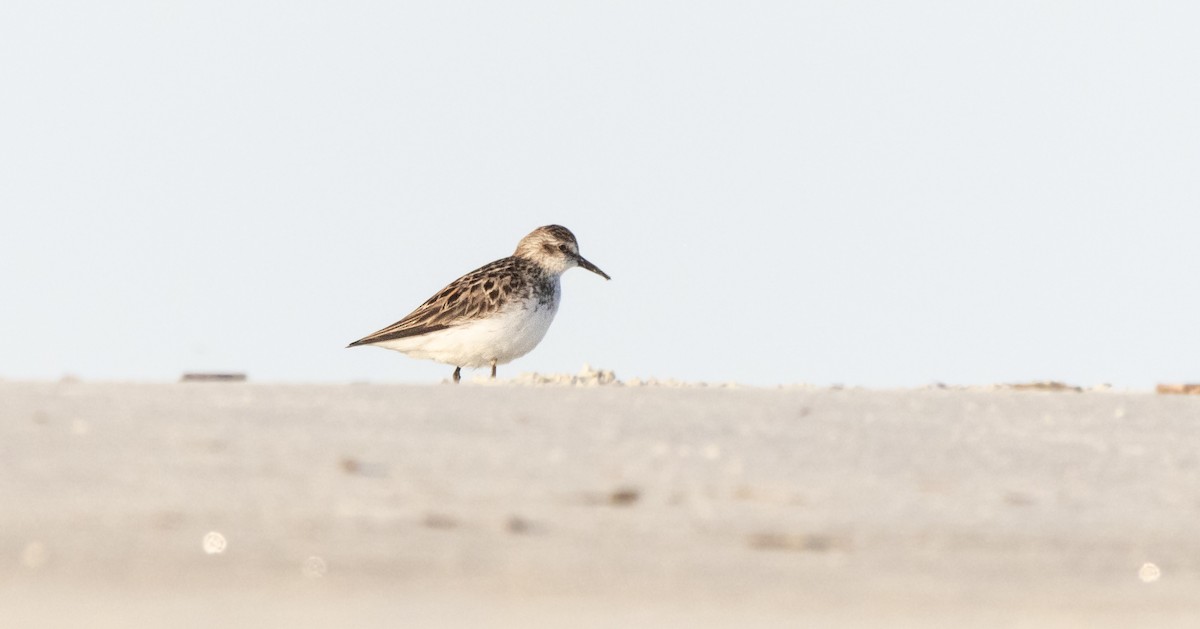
[(476, 295)]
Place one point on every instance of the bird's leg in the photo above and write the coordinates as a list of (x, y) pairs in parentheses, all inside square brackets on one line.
[(457, 374), (493, 369)]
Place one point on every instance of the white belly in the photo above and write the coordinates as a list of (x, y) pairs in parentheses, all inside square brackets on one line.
[(508, 335)]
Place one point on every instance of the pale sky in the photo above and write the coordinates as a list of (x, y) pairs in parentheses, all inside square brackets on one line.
[(868, 193)]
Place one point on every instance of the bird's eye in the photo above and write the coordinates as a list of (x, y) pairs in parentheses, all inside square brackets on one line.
[(562, 248)]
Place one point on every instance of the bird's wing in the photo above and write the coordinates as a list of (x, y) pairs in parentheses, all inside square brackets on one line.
[(475, 295)]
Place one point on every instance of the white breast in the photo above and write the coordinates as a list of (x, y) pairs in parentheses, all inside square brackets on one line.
[(507, 335)]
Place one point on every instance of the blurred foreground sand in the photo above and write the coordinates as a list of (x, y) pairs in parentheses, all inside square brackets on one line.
[(249, 505)]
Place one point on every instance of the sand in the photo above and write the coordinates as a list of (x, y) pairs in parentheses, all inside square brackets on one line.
[(252, 505)]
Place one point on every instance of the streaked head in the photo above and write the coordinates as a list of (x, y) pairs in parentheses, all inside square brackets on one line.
[(554, 248)]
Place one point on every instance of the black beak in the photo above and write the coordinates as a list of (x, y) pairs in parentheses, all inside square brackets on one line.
[(591, 267)]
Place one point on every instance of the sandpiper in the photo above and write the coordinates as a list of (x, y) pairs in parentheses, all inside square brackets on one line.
[(494, 314)]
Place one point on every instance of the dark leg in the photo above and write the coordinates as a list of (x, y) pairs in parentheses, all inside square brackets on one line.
[(493, 369), (457, 374)]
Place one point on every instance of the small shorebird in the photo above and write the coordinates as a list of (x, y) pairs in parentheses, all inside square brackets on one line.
[(494, 314)]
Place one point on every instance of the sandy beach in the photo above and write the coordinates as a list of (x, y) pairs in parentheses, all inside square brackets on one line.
[(261, 505)]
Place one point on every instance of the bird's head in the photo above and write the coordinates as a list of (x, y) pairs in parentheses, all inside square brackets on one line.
[(555, 249)]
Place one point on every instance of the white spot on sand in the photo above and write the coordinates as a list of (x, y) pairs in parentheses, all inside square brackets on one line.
[(314, 567), (1149, 573), (214, 543)]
